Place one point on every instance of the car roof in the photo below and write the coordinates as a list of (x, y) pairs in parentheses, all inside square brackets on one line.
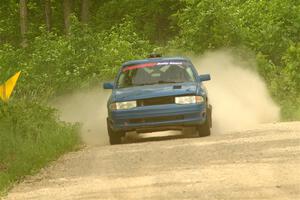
[(159, 59)]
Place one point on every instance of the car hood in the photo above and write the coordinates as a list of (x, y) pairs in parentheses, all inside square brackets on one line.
[(151, 91)]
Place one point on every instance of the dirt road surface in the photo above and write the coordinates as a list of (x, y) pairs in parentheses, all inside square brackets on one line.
[(262, 163)]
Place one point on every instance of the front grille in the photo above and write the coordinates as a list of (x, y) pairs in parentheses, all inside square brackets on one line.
[(156, 119), (156, 101)]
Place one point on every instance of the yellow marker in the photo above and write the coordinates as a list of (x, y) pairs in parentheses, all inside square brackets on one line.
[(7, 88)]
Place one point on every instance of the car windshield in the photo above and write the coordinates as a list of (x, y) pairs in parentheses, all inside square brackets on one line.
[(155, 73)]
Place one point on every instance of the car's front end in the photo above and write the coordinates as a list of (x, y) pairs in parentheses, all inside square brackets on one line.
[(152, 96), (181, 107)]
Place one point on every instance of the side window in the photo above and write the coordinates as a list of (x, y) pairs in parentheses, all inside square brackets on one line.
[(190, 73), (125, 79), (121, 80)]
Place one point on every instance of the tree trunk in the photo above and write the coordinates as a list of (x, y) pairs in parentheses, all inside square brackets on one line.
[(23, 22), (67, 4), (48, 14), (85, 4)]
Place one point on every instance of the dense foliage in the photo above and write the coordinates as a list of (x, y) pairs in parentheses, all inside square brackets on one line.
[(53, 64), (60, 59), (30, 136), (270, 29)]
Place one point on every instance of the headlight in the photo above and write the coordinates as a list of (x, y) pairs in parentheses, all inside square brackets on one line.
[(123, 105), (189, 100)]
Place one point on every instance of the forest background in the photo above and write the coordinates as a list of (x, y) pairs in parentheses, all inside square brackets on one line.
[(65, 45)]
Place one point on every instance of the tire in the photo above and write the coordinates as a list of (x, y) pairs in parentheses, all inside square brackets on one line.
[(204, 129), (209, 113), (189, 131), (114, 137)]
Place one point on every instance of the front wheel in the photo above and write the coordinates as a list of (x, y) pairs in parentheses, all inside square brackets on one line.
[(114, 137), (204, 129), (189, 131)]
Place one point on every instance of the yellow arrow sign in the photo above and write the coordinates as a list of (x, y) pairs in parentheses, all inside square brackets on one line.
[(7, 88)]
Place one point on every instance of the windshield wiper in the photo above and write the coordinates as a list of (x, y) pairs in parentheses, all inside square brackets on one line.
[(142, 84)]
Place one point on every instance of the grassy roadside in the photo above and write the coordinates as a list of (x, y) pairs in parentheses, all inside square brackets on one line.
[(30, 137), (52, 65)]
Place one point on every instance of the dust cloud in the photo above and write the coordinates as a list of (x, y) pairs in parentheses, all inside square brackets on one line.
[(89, 109), (239, 96)]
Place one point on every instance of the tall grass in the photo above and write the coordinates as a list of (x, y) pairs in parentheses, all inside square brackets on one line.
[(30, 137), (30, 133)]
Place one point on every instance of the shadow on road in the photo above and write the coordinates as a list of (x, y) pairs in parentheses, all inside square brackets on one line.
[(156, 136)]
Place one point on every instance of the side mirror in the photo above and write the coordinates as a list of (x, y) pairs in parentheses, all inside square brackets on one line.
[(108, 85), (204, 77)]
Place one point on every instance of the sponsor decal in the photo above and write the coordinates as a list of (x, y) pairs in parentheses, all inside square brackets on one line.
[(163, 63), (152, 64), (139, 66), (175, 63)]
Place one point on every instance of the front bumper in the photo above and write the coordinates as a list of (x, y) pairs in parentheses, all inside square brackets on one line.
[(158, 117)]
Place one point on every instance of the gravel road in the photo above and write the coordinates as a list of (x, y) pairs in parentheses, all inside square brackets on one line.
[(262, 163)]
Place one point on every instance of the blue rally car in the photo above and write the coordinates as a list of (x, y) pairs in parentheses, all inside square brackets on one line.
[(158, 94)]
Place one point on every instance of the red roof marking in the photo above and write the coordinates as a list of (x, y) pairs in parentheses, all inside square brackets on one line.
[(139, 66)]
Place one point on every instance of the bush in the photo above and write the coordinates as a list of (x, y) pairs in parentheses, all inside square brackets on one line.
[(270, 29), (31, 136), (206, 25), (54, 64), (288, 86)]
